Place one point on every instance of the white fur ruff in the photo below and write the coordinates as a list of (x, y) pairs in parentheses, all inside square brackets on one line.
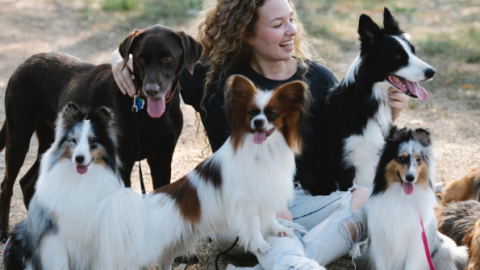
[(99, 221), (394, 227)]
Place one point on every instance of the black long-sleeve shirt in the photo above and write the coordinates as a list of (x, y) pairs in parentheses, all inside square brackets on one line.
[(319, 78)]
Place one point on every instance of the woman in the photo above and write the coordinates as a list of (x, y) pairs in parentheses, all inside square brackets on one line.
[(264, 41)]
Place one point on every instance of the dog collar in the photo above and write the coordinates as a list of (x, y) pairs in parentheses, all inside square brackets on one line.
[(139, 98)]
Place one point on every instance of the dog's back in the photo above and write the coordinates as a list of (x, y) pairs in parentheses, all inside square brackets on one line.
[(46, 82)]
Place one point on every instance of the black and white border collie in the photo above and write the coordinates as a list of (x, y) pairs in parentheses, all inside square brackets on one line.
[(81, 216), (402, 195), (357, 117)]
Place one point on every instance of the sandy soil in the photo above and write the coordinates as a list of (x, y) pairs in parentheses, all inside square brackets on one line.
[(33, 26)]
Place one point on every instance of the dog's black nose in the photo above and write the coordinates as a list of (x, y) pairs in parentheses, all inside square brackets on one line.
[(429, 72), (410, 177), (151, 89), (79, 159), (258, 123)]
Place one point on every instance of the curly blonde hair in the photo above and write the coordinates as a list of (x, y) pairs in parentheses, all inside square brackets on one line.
[(224, 27)]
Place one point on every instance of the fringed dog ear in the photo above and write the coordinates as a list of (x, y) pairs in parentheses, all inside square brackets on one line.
[(398, 134), (192, 51), (294, 100), (239, 92), (127, 45), (69, 109), (422, 136), (106, 114)]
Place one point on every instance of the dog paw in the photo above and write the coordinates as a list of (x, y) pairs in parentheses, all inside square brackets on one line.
[(282, 231), (262, 248)]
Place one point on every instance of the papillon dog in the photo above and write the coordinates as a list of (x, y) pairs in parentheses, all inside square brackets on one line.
[(402, 204), (81, 216), (242, 185)]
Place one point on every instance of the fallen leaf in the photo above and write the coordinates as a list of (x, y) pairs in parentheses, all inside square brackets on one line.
[(447, 81), (466, 86)]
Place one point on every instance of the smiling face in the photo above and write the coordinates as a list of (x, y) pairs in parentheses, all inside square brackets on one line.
[(274, 32)]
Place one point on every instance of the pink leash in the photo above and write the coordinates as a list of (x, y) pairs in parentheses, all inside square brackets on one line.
[(425, 243)]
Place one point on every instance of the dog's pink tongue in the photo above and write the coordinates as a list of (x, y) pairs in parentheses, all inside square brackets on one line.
[(82, 169), (407, 188), (259, 137), (417, 90), (156, 107)]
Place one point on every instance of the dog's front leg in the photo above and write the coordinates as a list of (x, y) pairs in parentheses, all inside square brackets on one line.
[(53, 253), (278, 230), (416, 258), (251, 230)]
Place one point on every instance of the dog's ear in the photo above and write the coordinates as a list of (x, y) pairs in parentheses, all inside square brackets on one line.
[(422, 136), (126, 45), (106, 115), (71, 107), (106, 112), (239, 92), (192, 51), (369, 31), (390, 23), (398, 134), (294, 105)]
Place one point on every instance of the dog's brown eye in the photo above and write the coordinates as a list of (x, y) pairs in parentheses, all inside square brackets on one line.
[(419, 160), (92, 142), (271, 115), (141, 60), (72, 140), (398, 57), (168, 59)]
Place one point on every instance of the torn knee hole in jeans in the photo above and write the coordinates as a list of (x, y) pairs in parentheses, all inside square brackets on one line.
[(352, 230)]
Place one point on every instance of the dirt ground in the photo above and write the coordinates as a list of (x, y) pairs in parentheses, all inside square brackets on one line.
[(33, 26)]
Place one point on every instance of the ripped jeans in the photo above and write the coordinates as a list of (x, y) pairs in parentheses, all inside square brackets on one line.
[(321, 228)]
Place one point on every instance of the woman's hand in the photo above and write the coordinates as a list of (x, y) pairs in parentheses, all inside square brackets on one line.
[(123, 78), (398, 101)]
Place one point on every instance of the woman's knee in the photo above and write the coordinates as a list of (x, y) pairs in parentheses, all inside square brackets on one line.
[(359, 198)]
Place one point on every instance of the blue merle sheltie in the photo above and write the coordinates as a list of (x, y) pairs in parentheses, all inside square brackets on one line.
[(81, 216), (356, 119), (401, 207)]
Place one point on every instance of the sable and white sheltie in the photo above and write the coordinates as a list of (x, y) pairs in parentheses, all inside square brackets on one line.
[(461, 222), (81, 216), (357, 118), (463, 189), (241, 186), (403, 194)]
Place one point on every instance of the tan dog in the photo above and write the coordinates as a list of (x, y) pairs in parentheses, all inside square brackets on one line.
[(463, 189)]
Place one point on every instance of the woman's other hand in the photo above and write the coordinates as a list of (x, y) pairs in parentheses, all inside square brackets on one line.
[(123, 78), (398, 101)]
